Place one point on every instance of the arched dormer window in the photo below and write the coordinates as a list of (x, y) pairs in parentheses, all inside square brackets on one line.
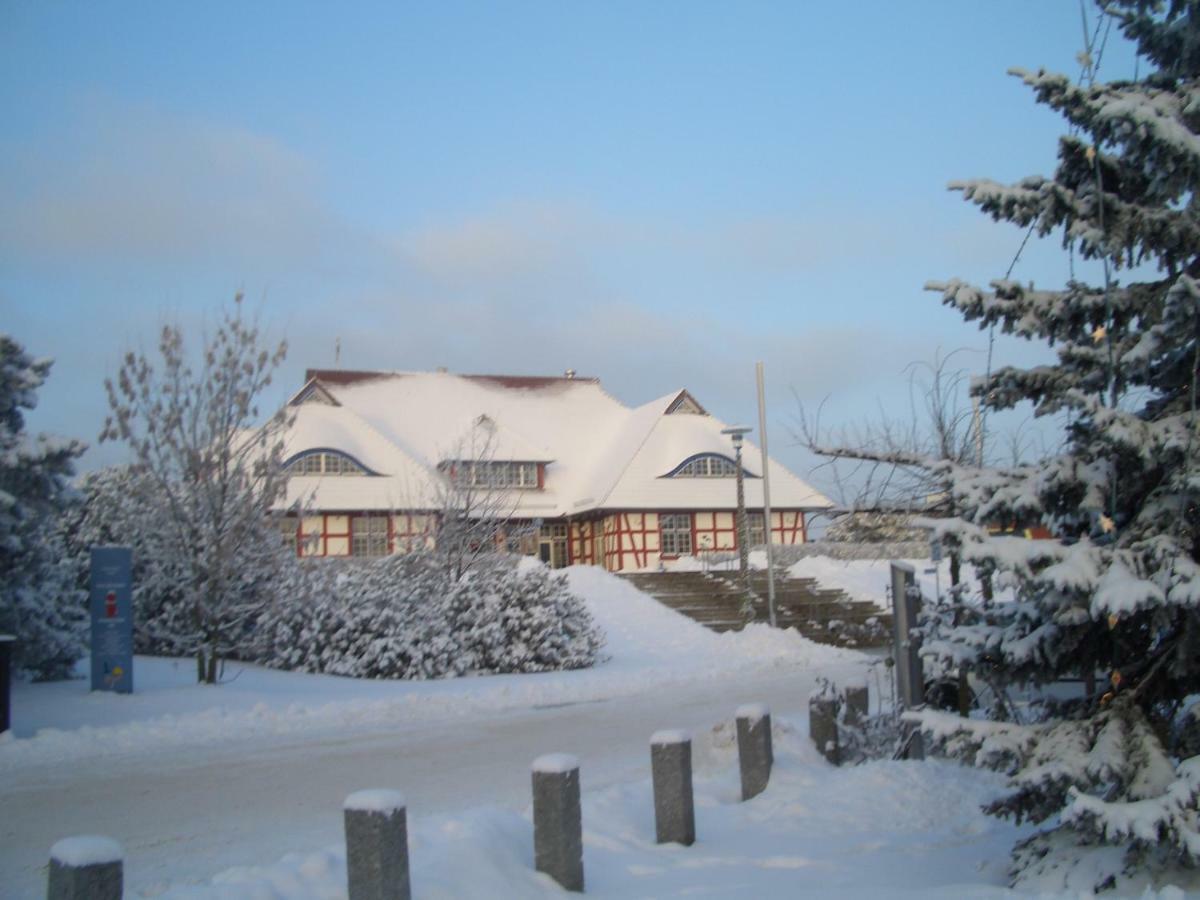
[(708, 465), (325, 462)]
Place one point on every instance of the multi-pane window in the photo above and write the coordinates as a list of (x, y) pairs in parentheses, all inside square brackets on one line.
[(676, 529), (711, 466), (497, 474), (369, 536), (325, 464), (754, 525)]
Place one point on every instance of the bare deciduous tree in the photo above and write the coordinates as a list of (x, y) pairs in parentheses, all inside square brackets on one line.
[(475, 501), (213, 475)]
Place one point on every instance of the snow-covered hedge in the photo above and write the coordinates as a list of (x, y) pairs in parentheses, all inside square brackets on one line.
[(404, 617)]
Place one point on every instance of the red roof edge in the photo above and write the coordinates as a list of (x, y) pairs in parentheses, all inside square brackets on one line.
[(342, 376), (531, 381), (353, 376)]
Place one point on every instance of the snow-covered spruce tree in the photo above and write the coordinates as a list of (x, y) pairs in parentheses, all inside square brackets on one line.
[(38, 602), (1119, 592), (212, 473)]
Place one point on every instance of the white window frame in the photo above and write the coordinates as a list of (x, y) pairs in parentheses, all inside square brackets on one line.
[(675, 539)]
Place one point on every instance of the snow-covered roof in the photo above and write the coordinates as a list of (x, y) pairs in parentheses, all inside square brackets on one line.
[(598, 453)]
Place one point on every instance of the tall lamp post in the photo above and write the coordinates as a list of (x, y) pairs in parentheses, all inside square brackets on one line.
[(737, 433)]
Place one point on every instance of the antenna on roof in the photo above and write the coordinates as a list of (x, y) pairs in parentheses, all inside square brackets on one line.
[(337, 351)]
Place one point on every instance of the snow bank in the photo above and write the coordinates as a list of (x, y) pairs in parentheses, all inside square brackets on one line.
[(885, 829), (646, 643), (868, 579)]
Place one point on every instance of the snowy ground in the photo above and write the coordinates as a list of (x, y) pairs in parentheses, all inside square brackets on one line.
[(235, 791), (867, 579)]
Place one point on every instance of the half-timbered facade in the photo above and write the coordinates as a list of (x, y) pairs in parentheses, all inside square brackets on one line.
[(584, 478)]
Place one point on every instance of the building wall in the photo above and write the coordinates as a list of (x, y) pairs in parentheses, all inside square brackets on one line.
[(622, 541)]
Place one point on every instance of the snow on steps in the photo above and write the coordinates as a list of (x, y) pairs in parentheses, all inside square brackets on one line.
[(715, 600)]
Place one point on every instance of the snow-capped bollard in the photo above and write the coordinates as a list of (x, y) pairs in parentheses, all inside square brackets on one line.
[(671, 765), (87, 867), (822, 725), (557, 822), (754, 748), (377, 846), (857, 703)]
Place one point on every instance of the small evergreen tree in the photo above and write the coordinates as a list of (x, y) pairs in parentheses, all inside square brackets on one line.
[(1119, 592), (38, 602)]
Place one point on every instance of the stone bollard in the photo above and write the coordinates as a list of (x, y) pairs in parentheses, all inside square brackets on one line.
[(857, 701), (754, 748), (377, 846), (87, 867), (822, 725), (557, 822), (671, 766)]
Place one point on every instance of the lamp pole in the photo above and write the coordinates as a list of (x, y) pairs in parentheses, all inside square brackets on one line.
[(737, 433)]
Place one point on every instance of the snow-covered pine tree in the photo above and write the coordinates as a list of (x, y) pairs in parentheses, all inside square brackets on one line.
[(38, 602), (1119, 592), (212, 473)]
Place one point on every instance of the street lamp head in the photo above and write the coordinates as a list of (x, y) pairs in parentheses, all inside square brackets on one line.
[(737, 432)]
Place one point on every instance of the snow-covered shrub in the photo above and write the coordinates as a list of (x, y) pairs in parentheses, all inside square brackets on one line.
[(38, 601), (404, 616)]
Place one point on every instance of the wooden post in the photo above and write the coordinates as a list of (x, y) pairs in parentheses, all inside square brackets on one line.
[(87, 867), (671, 766), (557, 821), (755, 757), (377, 846)]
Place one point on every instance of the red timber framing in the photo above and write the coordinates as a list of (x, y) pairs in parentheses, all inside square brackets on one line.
[(582, 546), (331, 534), (629, 540)]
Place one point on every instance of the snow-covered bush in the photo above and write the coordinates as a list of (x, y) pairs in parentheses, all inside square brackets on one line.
[(39, 603), (404, 616)]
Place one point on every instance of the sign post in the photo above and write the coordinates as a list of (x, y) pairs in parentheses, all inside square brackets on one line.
[(112, 619)]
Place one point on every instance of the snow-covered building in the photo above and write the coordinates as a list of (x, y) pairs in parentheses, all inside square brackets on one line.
[(590, 479)]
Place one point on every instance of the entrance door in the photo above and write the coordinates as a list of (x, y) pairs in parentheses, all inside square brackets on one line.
[(552, 545)]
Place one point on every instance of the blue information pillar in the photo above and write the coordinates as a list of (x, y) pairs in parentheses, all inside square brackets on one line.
[(112, 619)]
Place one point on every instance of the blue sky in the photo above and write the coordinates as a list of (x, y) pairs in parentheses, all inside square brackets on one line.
[(656, 194)]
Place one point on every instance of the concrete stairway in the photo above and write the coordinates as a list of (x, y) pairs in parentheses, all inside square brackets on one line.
[(717, 601)]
